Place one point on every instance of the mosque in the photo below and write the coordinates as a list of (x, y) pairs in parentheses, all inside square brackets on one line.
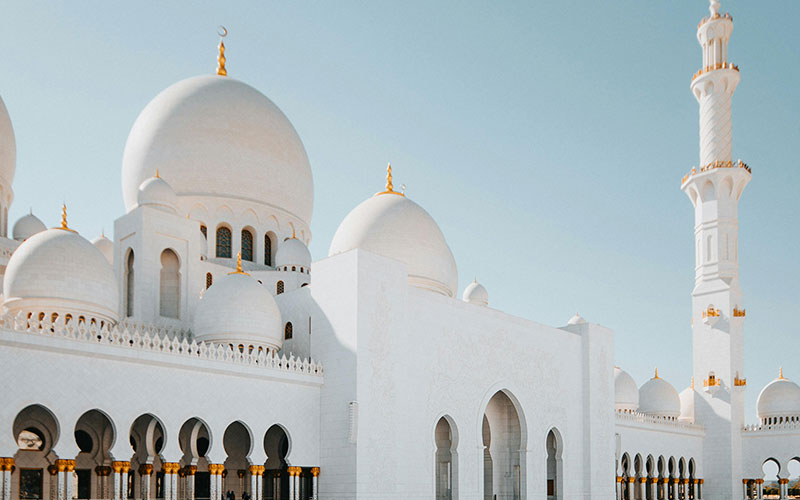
[(202, 352)]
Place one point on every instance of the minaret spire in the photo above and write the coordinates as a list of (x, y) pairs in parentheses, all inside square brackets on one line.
[(222, 32)]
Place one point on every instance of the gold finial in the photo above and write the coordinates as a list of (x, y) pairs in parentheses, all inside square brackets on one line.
[(293, 236), (389, 185), (64, 219), (222, 32), (656, 375), (157, 174), (692, 382), (780, 374), (239, 265)]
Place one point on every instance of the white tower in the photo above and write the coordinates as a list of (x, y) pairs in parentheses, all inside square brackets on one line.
[(717, 305)]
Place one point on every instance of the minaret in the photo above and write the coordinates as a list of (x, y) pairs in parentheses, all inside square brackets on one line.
[(714, 188)]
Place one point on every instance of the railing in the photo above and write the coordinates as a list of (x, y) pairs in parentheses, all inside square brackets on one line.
[(717, 164), (717, 16), (635, 416), (156, 339), (783, 426), (709, 69)]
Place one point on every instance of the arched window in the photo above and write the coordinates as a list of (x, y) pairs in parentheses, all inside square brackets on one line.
[(247, 245), (129, 284), (209, 280), (279, 288), (223, 242), (267, 250), (170, 286), (554, 466), (445, 460), (287, 331)]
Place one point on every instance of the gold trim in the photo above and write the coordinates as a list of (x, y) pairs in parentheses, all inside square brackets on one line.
[(221, 71), (64, 220), (239, 265), (389, 185)]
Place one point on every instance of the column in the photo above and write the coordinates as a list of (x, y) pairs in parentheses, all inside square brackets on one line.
[(188, 493), (256, 476), (116, 467), (6, 464), (783, 488), (744, 489), (276, 485), (145, 474), (53, 470), (664, 487), (181, 484), (686, 488), (619, 487), (700, 489), (212, 472), (642, 487), (69, 474), (630, 484), (675, 488), (124, 478), (240, 474), (170, 470), (759, 489), (294, 483), (314, 482)]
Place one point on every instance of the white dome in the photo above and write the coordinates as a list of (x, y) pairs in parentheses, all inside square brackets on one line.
[(157, 193), (60, 271), (27, 226), (238, 310), (393, 226), (576, 320), (658, 397), (8, 147), (106, 247), (293, 252), (475, 293), (218, 137), (779, 398), (626, 393), (687, 398)]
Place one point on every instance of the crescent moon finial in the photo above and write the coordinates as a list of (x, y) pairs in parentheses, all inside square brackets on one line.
[(222, 31)]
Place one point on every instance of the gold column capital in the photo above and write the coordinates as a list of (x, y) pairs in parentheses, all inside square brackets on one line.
[(686, 480), (642, 480), (145, 469), (701, 481), (240, 473), (315, 471), (257, 470), (190, 470), (631, 479), (6, 463), (294, 471), (53, 470), (619, 479), (170, 467)]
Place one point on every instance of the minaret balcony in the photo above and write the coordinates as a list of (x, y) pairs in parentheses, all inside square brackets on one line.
[(715, 165), (711, 316), (714, 67)]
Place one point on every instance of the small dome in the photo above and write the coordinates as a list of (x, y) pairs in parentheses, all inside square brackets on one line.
[(106, 247), (576, 320), (238, 310), (293, 252), (687, 397), (59, 271), (626, 393), (214, 136), (658, 397), (475, 293), (8, 147), (157, 193), (391, 225), (27, 226), (779, 398)]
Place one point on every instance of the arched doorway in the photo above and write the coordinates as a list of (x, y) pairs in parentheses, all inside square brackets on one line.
[(147, 440), (276, 475), (237, 442), (505, 438), (555, 490), (94, 435), (446, 460), (195, 440), (36, 431)]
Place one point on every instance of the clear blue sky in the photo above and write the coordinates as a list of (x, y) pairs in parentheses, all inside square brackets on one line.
[(548, 139)]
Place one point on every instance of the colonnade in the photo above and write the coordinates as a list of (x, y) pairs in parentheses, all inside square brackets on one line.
[(178, 483), (753, 489), (655, 488)]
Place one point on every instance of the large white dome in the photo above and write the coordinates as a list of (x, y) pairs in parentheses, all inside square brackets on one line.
[(658, 397), (238, 310), (59, 271), (626, 393), (779, 398), (218, 137), (393, 226), (8, 147)]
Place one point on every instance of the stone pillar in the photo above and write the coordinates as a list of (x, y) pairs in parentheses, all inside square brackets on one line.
[(700, 489), (126, 468), (619, 487), (145, 475), (744, 489), (181, 483), (276, 485), (294, 483), (675, 481), (256, 480), (630, 485), (170, 484), (314, 482), (783, 488), (6, 464), (686, 487), (188, 492), (69, 478), (53, 470), (216, 472), (116, 468), (101, 472), (759, 489)]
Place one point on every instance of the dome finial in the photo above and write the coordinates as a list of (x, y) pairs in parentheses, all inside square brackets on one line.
[(239, 265), (780, 374), (713, 7), (64, 219), (293, 236), (157, 174), (389, 185), (222, 32), (692, 382), (656, 375)]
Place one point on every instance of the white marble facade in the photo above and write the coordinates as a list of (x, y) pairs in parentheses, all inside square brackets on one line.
[(193, 355)]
